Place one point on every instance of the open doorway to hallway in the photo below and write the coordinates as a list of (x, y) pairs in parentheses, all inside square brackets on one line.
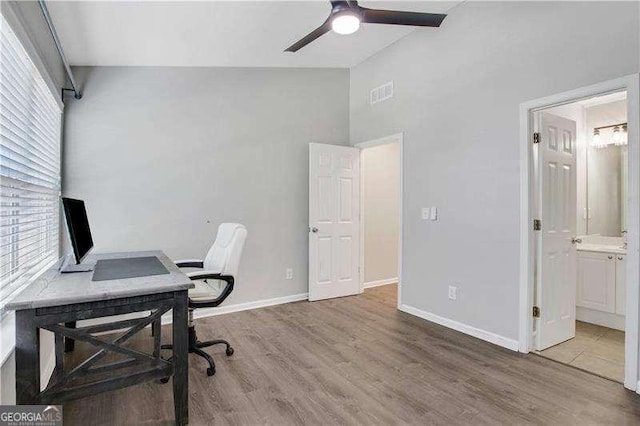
[(581, 191), (381, 171)]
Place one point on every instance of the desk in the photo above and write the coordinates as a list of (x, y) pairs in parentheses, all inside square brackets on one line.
[(56, 301)]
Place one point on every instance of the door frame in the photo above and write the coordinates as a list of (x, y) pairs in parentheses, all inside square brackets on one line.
[(630, 84), (399, 139)]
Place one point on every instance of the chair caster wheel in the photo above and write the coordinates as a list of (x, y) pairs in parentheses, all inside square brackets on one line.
[(229, 351), (164, 380), (211, 371)]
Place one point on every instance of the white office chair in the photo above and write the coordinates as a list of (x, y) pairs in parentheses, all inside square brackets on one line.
[(214, 282)]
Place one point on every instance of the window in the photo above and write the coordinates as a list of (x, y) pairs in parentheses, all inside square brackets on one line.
[(30, 121)]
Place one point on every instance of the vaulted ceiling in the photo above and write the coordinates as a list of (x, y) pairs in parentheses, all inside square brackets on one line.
[(219, 33)]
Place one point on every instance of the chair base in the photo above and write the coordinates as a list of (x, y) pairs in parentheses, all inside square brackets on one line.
[(195, 347)]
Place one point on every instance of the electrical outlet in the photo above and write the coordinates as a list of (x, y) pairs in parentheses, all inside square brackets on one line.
[(453, 292), (289, 273)]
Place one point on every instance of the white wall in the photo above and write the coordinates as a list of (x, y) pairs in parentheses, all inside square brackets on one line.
[(457, 96), (380, 171), (162, 156)]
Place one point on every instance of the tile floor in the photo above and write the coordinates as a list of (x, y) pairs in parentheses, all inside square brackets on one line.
[(596, 349)]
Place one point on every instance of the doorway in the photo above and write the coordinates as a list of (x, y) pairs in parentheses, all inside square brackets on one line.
[(380, 213), (578, 306), (581, 179), (355, 240)]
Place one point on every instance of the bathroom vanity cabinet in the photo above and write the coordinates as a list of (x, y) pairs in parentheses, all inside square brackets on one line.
[(601, 287), (596, 281)]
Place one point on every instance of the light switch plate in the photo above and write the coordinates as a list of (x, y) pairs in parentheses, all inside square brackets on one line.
[(426, 213), (434, 213)]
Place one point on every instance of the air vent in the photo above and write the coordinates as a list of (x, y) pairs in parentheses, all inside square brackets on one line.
[(381, 93)]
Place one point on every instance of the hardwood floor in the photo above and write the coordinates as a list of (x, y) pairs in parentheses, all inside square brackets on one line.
[(357, 360)]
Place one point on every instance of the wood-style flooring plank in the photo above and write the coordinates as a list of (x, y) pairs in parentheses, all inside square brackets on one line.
[(358, 360)]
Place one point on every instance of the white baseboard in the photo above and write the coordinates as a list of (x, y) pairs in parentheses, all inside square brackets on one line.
[(378, 283), (605, 319), (487, 336), (209, 312)]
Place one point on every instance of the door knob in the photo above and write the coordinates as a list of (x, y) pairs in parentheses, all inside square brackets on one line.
[(575, 240), (314, 230)]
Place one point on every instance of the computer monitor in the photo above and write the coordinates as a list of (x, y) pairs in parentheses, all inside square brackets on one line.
[(79, 232)]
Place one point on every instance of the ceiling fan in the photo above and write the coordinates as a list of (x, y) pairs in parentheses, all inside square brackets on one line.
[(346, 16)]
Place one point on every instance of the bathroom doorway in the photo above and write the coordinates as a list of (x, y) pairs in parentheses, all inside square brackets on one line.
[(581, 207), (584, 201)]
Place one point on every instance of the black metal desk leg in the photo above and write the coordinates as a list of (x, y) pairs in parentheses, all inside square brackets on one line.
[(181, 357), (27, 357)]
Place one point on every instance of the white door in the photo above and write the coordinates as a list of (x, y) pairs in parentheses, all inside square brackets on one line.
[(334, 221), (557, 263)]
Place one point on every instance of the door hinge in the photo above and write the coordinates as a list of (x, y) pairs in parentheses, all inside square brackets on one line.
[(536, 137), (537, 224), (536, 312)]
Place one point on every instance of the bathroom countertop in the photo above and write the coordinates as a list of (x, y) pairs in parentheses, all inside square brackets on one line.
[(602, 248)]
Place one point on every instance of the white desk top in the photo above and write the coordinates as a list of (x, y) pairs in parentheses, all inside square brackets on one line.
[(54, 288)]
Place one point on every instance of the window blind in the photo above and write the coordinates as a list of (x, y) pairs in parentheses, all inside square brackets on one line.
[(30, 121)]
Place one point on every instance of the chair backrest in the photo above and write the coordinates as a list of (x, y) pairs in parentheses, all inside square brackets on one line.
[(224, 254)]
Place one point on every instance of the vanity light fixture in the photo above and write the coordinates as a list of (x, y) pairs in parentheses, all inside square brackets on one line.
[(619, 136), (625, 135), (596, 142)]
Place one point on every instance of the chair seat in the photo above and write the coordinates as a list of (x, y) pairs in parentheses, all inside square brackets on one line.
[(206, 289)]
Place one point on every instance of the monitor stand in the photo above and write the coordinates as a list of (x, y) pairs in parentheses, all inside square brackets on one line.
[(68, 267)]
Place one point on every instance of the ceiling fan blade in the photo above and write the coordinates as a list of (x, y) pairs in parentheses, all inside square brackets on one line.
[(322, 29), (377, 16)]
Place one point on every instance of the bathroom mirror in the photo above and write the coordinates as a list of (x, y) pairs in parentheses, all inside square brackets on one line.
[(606, 173)]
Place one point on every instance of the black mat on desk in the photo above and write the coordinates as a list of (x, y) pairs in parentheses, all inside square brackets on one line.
[(117, 269)]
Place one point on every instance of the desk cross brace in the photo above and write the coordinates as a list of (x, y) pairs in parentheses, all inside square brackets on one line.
[(154, 365)]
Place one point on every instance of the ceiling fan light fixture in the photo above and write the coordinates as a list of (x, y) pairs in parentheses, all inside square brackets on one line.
[(346, 15), (345, 23)]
